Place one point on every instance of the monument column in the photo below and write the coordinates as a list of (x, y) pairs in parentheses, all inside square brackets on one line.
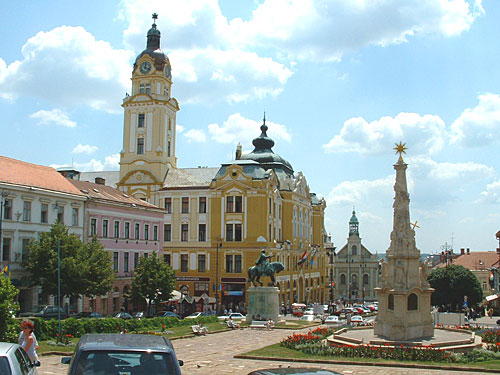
[(403, 292)]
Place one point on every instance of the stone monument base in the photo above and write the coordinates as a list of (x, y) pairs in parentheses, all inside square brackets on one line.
[(263, 303)]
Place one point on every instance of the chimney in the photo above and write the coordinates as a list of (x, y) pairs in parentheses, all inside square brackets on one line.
[(238, 151), (468, 251), (462, 251), (100, 181)]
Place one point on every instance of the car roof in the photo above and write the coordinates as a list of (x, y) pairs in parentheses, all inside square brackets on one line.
[(6, 347), (116, 341)]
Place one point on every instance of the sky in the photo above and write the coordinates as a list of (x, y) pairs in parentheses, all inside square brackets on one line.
[(340, 82)]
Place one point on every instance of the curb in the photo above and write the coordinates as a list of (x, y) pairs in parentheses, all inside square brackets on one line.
[(378, 364)]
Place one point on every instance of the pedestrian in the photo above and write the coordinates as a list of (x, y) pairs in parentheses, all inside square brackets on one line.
[(20, 339), (29, 344)]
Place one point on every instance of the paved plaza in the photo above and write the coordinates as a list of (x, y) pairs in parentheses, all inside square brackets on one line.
[(214, 355)]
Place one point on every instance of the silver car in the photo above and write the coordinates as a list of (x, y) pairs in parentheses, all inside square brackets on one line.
[(15, 361)]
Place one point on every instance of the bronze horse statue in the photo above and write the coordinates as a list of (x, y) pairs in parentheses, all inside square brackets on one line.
[(270, 269)]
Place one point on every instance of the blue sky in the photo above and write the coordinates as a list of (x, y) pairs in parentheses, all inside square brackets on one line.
[(340, 81)]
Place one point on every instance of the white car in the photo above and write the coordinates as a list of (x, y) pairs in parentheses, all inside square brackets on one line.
[(15, 361), (309, 311), (309, 318), (196, 315), (234, 316), (357, 319), (332, 319)]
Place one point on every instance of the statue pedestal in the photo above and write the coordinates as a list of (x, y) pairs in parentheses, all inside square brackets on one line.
[(263, 301)]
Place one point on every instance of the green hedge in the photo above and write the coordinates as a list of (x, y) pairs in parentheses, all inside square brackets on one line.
[(48, 329)]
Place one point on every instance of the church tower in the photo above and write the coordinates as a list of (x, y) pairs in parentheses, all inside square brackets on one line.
[(149, 123)]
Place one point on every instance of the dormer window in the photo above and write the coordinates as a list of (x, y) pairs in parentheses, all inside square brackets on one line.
[(140, 122)]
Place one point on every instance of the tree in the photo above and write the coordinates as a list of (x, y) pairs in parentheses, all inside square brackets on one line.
[(154, 280), (85, 268), (452, 283), (8, 306)]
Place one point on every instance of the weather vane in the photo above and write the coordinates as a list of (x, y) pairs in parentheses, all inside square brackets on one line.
[(400, 149)]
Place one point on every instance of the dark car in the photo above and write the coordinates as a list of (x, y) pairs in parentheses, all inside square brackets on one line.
[(46, 312), (114, 354), (90, 315), (170, 314), (295, 371), (122, 315)]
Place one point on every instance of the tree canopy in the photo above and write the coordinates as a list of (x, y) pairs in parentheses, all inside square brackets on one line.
[(452, 284), (85, 267), (8, 306), (153, 282)]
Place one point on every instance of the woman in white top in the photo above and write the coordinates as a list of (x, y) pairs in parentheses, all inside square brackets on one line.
[(29, 342)]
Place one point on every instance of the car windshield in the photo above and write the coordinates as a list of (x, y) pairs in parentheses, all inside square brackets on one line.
[(4, 366), (125, 362)]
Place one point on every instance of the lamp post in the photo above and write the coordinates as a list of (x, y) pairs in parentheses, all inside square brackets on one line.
[(4, 194), (218, 244), (59, 286)]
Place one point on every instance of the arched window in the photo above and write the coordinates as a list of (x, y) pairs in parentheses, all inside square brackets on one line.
[(365, 279), (390, 302), (412, 302), (354, 250), (342, 279), (354, 279)]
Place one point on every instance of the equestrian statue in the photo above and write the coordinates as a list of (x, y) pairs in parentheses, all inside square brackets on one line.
[(264, 268)]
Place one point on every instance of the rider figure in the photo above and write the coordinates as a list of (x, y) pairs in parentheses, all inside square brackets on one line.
[(262, 261)]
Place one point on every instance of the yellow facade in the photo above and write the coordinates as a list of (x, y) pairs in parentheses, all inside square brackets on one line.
[(218, 220)]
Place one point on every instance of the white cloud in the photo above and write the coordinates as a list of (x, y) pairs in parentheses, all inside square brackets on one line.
[(491, 194), (91, 166), (84, 149), (195, 135), (112, 162), (325, 29), (355, 192), (426, 134), (77, 70), (179, 128), (53, 117), (240, 129), (478, 126)]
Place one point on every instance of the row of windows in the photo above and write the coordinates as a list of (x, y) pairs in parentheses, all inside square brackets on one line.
[(126, 260), (233, 262), (233, 232), (233, 204), (354, 279), (105, 233), (27, 214)]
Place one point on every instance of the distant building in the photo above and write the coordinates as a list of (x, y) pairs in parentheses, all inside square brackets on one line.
[(32, 198), (356, 268)]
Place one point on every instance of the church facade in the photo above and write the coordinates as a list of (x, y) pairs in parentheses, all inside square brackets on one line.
[(356, 268), (217, 220)]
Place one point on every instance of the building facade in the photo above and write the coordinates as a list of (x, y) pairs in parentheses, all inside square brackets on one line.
[(217, 220), (356, 268), (32, 198)]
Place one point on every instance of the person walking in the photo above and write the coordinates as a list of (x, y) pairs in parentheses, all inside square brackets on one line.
[(29, 342)]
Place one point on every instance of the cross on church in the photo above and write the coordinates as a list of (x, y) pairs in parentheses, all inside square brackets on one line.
[(155, 17), (415, 224)]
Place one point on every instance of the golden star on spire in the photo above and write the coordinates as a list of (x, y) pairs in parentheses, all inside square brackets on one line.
[(400, 149)]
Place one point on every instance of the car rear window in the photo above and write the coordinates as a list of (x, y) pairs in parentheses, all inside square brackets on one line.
[(4, 366), (125, 362)]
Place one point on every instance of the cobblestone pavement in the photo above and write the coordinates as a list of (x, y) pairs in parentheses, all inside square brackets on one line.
[(214, 355)]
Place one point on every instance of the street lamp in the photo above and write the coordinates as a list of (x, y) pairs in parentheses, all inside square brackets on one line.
[(218, 244), (3, 195)]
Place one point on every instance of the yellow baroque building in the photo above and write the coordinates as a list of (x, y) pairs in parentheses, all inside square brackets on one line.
[(217, 220)]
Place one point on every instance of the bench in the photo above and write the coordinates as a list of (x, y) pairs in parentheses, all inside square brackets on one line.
[(199, 330), (261, 324)]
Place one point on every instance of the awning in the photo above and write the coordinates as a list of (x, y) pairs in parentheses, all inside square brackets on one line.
[(492, 297), (176, 295)]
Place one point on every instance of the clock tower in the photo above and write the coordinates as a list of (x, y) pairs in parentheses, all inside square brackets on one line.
[(149, 127)]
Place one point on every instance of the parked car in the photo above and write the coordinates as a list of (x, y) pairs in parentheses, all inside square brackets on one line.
[(122, 315), (332, 319), (294, 371), (309, 311), (357, 319), (90, 315), (196, 315), (309, 318), (234, 316), (170, 314), (114, 354), (139, 315), (46, 312), (15, 361)]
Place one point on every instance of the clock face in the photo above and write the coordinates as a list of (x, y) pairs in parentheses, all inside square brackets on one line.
[(167, 71), (145, 67)]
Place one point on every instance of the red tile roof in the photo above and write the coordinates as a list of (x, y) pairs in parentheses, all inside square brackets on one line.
[(18, 172), (476, 260), (109, 193)]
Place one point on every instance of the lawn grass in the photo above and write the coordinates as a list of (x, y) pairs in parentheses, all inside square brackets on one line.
[(276, 351)]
